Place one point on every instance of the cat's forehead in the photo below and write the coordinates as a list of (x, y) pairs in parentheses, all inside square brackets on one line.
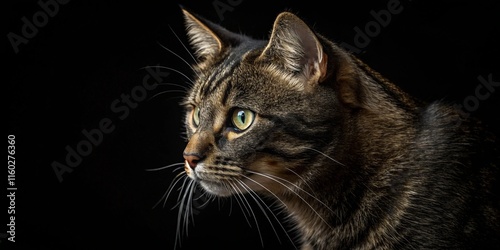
[(234, 76)]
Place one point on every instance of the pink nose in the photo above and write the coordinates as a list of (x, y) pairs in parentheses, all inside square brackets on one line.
[(192, 159)]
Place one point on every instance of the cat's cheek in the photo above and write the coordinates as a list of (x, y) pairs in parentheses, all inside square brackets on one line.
[(267, 164), (267, 175)]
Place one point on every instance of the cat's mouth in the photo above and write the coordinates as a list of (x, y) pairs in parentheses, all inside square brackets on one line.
[(216, 180), (226, 180)]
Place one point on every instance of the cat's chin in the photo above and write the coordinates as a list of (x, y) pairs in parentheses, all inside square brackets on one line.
[(216, 188)]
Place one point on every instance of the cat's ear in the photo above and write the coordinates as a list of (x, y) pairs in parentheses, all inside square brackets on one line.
[(209, 39), (206, 43), (294, 44)]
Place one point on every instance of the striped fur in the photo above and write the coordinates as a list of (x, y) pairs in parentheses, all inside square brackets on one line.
[(355, 161)]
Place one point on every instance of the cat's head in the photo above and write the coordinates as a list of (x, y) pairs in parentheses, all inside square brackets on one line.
[(261, 114)]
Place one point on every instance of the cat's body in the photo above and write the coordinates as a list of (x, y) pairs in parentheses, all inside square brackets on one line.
[(356, 162)]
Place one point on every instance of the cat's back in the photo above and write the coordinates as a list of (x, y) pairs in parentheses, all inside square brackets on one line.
[(454, 169)]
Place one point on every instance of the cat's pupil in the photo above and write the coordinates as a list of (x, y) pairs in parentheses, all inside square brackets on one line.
[(242, 119), (241, 116)]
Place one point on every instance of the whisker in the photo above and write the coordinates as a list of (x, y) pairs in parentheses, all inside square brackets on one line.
[(184, 46), (242, 205), (253, 214), (256, 182), (165, 167), (178, 56), (300, 177), (189, 207), (170, 188), (199, 196), (274, 178), (178, 228), (325, 155), (218, 203), (174, 84), (230, 207), (171, 69), (257, 198), (166, 92), (249, 191), (206, 202), (291, 183), (183, 204), (182, 187)]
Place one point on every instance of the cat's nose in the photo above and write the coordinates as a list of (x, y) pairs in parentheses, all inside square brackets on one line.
[(192, 159)]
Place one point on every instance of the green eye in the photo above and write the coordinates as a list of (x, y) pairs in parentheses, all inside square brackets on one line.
[(242, 118), (196, 116)]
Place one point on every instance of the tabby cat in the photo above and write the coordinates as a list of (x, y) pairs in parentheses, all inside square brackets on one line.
[(356, 162)]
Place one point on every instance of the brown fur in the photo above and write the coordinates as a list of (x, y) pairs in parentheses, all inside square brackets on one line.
[(354, 160)]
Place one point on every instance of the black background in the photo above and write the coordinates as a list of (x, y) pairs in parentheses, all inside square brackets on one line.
[(66, 77)]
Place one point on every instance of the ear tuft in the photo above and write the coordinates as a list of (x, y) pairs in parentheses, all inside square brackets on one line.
[(294, 44), (203, 39)]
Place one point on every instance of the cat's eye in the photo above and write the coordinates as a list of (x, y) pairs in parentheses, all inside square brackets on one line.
[(242, 119), (196, 116)]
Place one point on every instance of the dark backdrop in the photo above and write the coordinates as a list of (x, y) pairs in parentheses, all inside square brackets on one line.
[(75, 71)]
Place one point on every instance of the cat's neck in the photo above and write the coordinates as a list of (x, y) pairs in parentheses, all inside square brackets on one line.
[(337, 204), (321, 216), (331, 212)]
